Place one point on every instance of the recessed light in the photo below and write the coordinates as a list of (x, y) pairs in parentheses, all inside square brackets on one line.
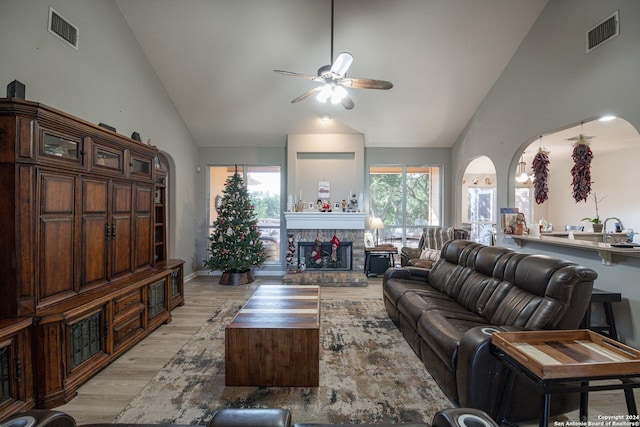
[(326, 118), (606, 118)]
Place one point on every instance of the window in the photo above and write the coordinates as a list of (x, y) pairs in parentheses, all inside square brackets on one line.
[(481, 213), (524, 202), (406, 198), (263, 186)]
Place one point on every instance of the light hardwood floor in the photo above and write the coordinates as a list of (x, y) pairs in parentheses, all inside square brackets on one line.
[(104, 396)]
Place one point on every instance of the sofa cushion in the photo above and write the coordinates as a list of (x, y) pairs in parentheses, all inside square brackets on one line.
[(442, 330)]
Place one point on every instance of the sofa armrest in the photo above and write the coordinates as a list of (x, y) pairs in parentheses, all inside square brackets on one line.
[(479, 374), (39, 418), (462, 417), (255, 417), (407, 254), (407, 273)]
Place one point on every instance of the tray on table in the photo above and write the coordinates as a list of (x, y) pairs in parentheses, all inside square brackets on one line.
[(569, 353)]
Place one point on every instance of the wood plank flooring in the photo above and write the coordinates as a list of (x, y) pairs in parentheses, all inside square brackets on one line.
[(104, 396)]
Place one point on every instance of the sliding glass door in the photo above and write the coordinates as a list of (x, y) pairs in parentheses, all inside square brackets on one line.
[(406, 199), (263, 186)]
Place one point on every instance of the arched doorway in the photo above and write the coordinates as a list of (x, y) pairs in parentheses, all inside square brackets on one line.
[(479, 200)]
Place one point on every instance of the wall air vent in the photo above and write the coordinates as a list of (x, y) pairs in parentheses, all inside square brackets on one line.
[(63, 29), (604, 31)]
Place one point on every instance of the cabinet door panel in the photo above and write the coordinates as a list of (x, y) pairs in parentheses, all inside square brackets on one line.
[(95, 232), (94, 244), (121, 229), (143, 241), (56, 257), (56, 252), (144, 224), (121, 249)]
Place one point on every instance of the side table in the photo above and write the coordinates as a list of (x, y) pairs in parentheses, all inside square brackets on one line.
[(386, 253), (565, 361)]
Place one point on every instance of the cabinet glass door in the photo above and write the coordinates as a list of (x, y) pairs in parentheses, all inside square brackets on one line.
[(60, 146), (107, 158)]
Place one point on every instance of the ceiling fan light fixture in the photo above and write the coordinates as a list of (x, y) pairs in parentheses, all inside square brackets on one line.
[(325, 93), (338, 94)]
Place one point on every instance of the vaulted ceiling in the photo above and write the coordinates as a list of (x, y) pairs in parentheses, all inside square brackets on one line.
[(216, 60)]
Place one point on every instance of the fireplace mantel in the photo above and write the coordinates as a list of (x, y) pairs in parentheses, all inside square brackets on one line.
[(325, 220)]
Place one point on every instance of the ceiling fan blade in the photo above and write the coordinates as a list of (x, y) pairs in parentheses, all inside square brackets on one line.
[(307, 94), (347, 103), (358, 83), (341, 64), (302, 76)]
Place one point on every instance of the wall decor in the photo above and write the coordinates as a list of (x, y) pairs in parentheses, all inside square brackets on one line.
[(324, 189)]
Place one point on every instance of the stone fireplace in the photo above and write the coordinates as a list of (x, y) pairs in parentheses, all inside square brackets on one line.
[(327, 168), (306, 227)]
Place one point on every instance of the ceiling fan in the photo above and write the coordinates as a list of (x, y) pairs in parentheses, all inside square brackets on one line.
[(334, 80)]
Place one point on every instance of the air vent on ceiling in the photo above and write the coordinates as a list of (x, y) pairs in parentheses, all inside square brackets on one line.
[(63, 29), (604, 31)]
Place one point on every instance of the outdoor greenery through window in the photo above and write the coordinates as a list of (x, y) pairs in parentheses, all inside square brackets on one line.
[(263, 186), (406, 198)]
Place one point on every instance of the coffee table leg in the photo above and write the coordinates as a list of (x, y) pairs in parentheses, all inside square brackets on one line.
[(504, 401), (631, 401), (584, 402), (545, 402)]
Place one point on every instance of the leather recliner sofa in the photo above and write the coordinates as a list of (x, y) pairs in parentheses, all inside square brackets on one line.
[(448, 313)]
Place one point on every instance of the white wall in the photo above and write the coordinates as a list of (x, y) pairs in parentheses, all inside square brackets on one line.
[(109, 80), (613, 182), (550, 83)]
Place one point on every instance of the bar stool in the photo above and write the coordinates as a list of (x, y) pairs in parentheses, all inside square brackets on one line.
[(605, 298)]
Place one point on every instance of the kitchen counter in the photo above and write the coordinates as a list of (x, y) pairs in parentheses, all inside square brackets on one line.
[(606, 252), (587, 235)]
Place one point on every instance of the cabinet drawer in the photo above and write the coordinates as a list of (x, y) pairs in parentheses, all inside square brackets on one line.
[(127, 329), (129, 302)]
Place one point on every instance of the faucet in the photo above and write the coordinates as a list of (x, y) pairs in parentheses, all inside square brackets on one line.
[(604, 228)]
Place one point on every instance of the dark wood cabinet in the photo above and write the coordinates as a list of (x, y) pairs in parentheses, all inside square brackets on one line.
[(16, 379), (82, 281)]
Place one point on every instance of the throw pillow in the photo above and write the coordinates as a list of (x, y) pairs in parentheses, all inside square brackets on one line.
[(430, 254)]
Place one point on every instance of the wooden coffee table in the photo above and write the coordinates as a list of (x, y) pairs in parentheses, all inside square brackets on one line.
[(274, 340)]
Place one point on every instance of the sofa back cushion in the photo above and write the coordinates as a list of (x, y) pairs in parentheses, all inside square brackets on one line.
[(513, 289)]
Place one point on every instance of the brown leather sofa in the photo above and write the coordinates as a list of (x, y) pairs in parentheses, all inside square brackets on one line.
[(246, 417), (432, 239), (447, 315)]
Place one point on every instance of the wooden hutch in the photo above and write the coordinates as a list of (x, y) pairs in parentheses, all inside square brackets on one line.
[(84, 274)]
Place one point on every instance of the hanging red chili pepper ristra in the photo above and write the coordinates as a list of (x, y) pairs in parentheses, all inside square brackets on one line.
[(581, 170), (540, 167)]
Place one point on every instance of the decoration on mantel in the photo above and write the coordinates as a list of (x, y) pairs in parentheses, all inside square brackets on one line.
[(541, 174), (235, 244), (581, 170)]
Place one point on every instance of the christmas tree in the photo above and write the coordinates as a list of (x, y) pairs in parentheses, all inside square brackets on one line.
[(235, 245)]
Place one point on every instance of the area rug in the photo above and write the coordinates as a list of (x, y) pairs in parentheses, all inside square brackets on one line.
[(368, 374)]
